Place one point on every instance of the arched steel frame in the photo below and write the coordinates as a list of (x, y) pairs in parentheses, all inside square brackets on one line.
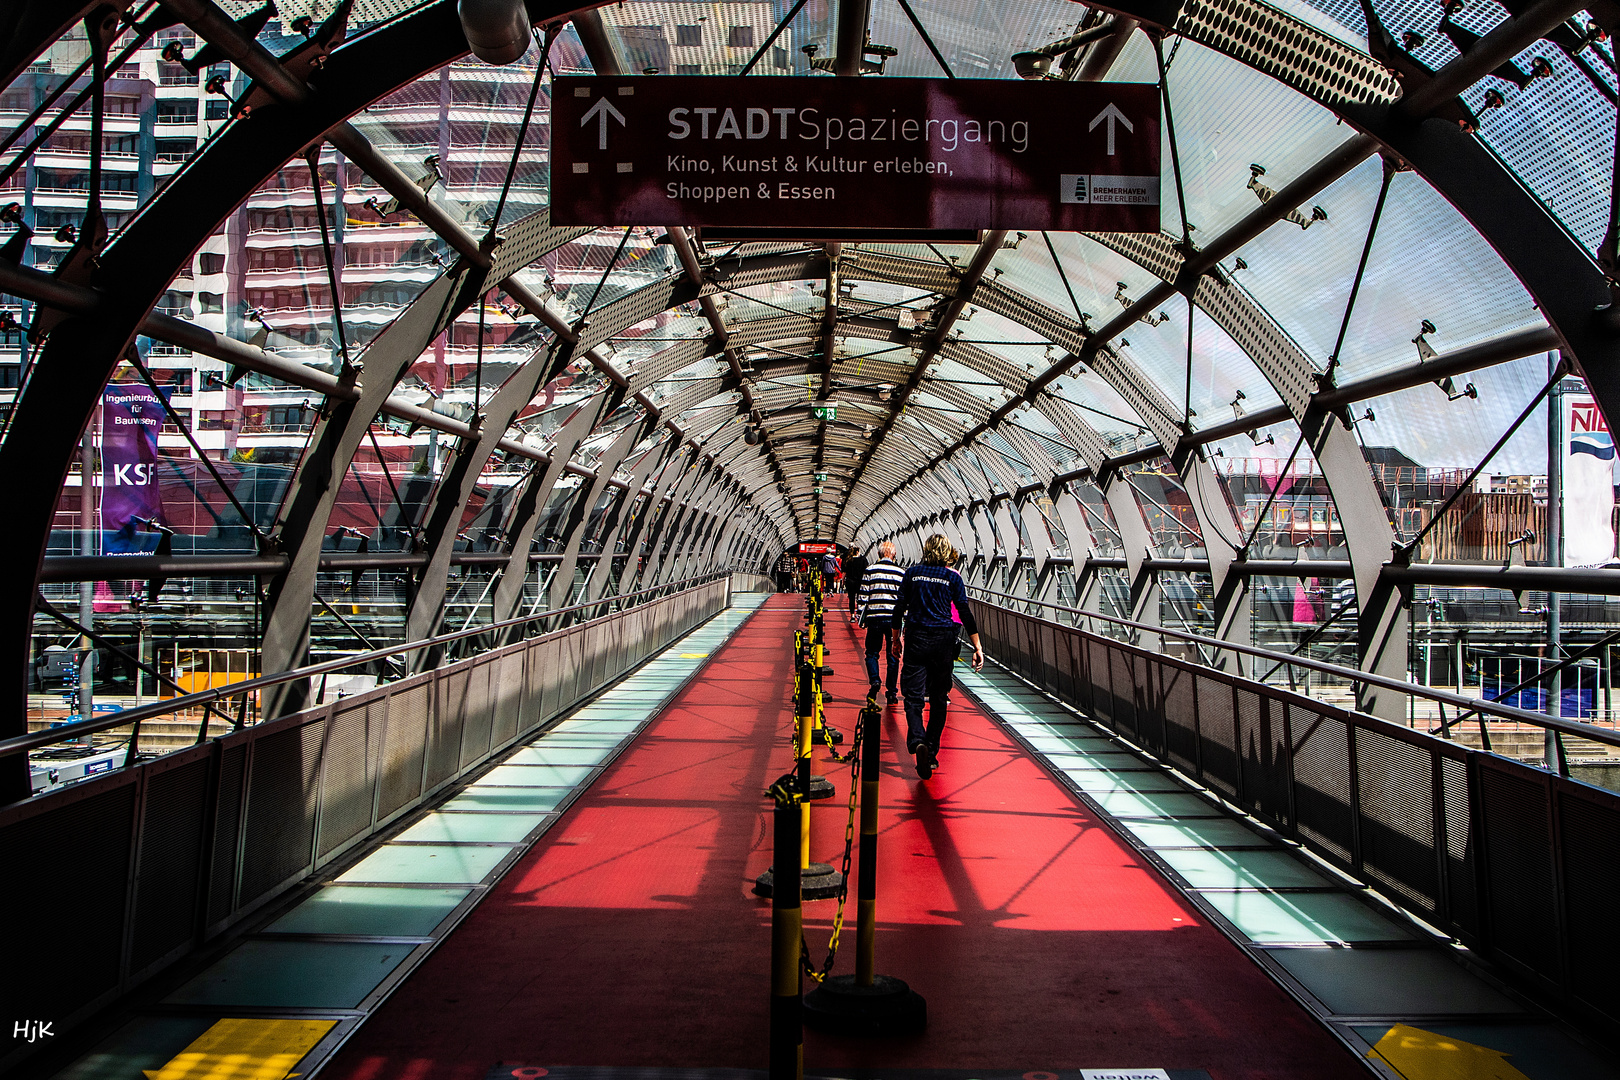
[(696, 518)]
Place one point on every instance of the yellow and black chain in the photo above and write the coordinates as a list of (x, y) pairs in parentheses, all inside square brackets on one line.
[(843, 886)]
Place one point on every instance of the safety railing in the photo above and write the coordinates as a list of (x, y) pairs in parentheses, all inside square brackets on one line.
[(1520, 863), (207, 699), (128, 871)]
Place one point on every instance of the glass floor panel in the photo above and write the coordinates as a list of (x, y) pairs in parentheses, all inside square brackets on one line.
[(1113, 760), (545, 752), (613, 712), (1275, 869), (508, 798), (534, 776), (144, 1043), (1218, 833), (1391, 982), (592, 727), (293, 974), (1125, 804), (471, 828), (1305, 917), (352, 909), (444, 864), (1095, 781)]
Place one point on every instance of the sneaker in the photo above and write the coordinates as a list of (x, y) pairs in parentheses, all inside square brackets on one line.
[(892, 699), (925, 762)]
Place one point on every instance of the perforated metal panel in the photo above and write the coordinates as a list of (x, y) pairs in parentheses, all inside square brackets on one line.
[(227, 833), (1263, 758), (1322, 807), (173, 846), (1591, 866), (1462, 893), (346, 789), (506, 693), (1519, 866), (1146, 401), (526, 241), (1059, 327), (617, 316), (403, 747), (1397, 818), (1180, 718), (281, 809), (1102, 694), (477, 715), (1123, 682), (862, 264), (69, 869), (444, 731), (1312, 62), (666, 362), (1217, 735)]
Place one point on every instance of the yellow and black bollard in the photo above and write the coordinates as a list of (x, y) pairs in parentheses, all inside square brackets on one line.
[(867, 1003), (819, 880), (787, 928)]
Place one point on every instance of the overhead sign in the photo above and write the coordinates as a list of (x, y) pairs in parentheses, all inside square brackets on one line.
[(131, 417), (851, 153)]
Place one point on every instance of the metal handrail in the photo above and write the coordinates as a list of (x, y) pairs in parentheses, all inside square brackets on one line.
[(34, 740), (1508, 712)]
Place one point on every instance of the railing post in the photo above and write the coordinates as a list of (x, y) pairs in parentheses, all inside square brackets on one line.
[(787, 924)]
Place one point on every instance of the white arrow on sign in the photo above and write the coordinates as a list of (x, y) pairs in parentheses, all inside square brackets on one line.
[(601, 109), (1110, 114)]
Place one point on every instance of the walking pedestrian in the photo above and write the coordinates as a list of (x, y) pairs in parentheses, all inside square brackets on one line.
[(830, 569), (854, 567), (932, 611), (880, 588)]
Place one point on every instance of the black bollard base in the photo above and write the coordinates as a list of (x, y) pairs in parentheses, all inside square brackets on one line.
[(818, 881), (887, 1007), (827, 736), (820, 788)]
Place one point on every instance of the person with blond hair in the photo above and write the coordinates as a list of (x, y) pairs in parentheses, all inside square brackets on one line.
[(929, 617)]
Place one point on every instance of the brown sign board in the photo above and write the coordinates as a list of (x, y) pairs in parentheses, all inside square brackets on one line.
[(830, 153)]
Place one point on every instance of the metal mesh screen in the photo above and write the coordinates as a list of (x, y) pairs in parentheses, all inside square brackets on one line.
[(1590, 834), (1462, 899), (477, 715), (403, 746), (172, 850), (1263, 757), (1217, 736), (76, 861), (1321, 755), (1519, 866), (1180, 717), (1123, 685), (506, 696), (1397, 817), (444, 728), (227, 833), (281, 808), (346, 789)]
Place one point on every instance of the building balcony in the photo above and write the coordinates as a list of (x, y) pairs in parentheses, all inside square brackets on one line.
[(51, 158)]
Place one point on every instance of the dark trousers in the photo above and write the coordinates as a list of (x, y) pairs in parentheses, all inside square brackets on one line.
[(852, 583), (930, 652), (877, 632)]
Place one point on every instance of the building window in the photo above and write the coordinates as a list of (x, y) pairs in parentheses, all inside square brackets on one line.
[(779, 58), (741, 37), (218, 109), (212, 303), (175, 149), (688, 35), (177, 111), (688, 69), (211, 263)]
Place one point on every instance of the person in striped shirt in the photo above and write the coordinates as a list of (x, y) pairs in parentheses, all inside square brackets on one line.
[(880, 588)]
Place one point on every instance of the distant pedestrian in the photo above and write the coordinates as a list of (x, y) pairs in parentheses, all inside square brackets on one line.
[(854, 566), (932, 610), (880, 588), (830, 569)]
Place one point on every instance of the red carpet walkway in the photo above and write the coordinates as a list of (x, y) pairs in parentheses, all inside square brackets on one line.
[(628, 936)]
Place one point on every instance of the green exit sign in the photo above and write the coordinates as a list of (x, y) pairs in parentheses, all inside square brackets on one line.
[(824, 412)]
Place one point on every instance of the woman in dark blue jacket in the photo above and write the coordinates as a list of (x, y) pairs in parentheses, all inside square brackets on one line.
[(932, 610)]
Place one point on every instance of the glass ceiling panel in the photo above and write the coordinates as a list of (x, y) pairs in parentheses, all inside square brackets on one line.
[(1427, 262), (976, 38)]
